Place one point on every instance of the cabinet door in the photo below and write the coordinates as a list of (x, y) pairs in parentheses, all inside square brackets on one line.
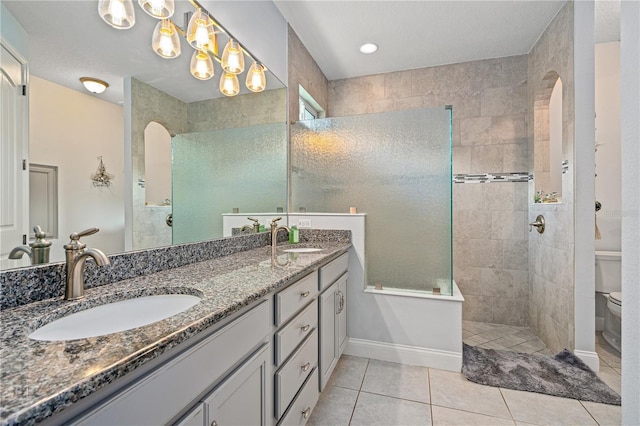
[(241, 398), (194, 418), (341, 321), (328, 308)]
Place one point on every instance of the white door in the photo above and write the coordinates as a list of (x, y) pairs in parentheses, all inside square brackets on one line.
[(14, 174)]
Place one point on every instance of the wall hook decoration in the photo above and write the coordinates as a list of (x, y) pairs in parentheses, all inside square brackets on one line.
[(101, 177)]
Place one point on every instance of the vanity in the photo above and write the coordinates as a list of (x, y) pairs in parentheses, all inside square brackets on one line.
[(252, 351)]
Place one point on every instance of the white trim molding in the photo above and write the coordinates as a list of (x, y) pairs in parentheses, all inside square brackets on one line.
[(403, 354), (589, 358)]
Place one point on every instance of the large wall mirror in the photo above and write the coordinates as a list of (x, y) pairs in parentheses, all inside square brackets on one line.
[(233, 150), (549, 160)]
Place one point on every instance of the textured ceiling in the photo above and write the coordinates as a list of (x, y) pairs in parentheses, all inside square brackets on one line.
[(68, 39)]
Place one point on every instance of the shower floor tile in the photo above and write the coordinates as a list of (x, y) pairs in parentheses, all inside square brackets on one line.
[(504, 337)]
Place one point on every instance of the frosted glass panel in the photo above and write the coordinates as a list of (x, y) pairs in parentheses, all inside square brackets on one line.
[(216, 171), (394, 166)]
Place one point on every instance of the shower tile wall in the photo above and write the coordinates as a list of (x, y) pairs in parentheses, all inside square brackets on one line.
[(551, 260), (490, 110), (150, 104)]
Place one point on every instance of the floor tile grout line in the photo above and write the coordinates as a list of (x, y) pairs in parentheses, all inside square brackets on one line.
[(473, 412), (430, 401), (353, 411), (507, 405), (589, 412), (395, 397)]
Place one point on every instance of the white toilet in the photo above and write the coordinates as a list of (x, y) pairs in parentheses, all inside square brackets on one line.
[(609, 283)]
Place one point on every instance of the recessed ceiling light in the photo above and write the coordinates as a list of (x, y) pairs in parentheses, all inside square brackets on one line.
[(94, 85), (368, 48)]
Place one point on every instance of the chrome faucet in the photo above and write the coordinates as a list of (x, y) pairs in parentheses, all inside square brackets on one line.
[(76, 256), (255, 227), (274, 236)]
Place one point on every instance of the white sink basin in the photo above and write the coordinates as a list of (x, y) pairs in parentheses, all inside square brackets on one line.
[(115, 317), (302, 250)]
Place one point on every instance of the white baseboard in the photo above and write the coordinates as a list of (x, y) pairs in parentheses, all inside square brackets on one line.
[(434, 358), (589, 358)]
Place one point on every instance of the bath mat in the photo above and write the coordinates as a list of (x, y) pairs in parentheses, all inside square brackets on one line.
[(562, 375)]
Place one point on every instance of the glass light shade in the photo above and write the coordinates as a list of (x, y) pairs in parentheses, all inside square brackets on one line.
[(117, 13), (201, 65), (233, 58), (256, 81), (165, 41), (94, 85), (229, 84), (201, 33), (159, 9)]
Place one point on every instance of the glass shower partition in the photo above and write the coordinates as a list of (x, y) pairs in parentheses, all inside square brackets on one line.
[(216, 171), (396, 168)]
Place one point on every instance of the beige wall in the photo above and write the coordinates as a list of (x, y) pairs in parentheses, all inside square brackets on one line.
[(551, 255), (70, 129), (304, 71), (489, 101)]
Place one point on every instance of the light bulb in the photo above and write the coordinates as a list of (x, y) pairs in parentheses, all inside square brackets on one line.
[(256, 81), (159, 9), (229, 85), (201, 65), (200, 32), (117, 13), (165, 41), (233, 58)]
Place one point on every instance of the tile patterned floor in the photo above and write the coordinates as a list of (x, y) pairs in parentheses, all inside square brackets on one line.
[(368, 392)]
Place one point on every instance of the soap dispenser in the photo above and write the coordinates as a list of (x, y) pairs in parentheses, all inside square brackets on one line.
[(40, 248), (294, 235)]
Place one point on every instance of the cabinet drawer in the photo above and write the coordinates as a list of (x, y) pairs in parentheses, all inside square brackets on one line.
[(293, 333), (294, 372), (330, 272), (301, 408), (293, 298), (164, 392)]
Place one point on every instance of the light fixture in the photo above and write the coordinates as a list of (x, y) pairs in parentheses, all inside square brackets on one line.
[(165, 41), (94, 85), (256, 81), (368, 48), (201, 65), (159, 9), (233, 58), (229, 85), (117, 13), (201, 33)]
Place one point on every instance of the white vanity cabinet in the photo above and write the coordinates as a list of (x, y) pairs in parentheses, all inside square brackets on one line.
[(222, 360), (295, 350), (332, 315)]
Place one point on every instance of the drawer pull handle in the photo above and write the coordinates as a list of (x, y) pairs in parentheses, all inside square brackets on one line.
[(214, 423), (305, 294), (305, 413), (306, 367), (305, 327)]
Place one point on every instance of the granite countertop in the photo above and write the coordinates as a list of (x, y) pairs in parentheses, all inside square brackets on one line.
[(41, 378)]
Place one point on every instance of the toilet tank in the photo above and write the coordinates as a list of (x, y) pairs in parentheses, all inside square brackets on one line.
[(608, 271)]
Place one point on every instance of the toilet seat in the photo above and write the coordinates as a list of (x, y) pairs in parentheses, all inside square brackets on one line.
[(616, 298)]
